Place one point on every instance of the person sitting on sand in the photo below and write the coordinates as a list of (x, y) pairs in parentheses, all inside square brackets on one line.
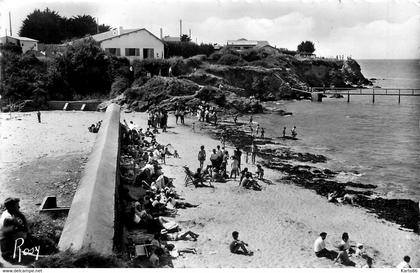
[(260, 172), (332, 197), (238, 246), (243, 174), (178, 236), (405, 263), (345, 242), (248, 183), (179, 204), (319, 246), (174, 252), (343, 257), (294, 133)]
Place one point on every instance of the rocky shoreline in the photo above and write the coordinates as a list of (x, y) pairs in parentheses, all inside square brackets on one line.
[(403, 212)]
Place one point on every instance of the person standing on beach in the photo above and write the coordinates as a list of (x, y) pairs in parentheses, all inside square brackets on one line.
[(176, 115), (234, 167), (237, 153), (254, 150), (39, 116), (250, 119), (201, 156), (182, 114), (284, 131), (262, 132)]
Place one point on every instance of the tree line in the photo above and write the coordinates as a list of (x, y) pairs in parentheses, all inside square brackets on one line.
[(49, 27)]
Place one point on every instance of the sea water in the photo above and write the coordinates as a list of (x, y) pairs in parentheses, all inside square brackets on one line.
[(367, 143)]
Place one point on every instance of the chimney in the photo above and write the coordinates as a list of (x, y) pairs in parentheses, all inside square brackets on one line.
[(180, 28), (10, 23), (161, 33)]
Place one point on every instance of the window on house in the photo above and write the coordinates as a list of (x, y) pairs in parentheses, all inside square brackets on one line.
[(113, 51), (132, 52), (148, 53)]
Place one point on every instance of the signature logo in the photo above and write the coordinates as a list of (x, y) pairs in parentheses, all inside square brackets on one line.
[(18, 251)]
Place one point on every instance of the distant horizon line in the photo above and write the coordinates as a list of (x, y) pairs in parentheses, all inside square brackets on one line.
[(399, 59)]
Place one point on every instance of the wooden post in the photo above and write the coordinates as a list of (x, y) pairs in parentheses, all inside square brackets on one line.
[(373, 96), (348, 96), (399, 96)]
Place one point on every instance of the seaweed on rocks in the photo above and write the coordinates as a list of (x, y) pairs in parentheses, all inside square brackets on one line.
[(403, 212)]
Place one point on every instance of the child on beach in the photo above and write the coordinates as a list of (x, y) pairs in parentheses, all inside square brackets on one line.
[(201, 156), (238, 246), (260, 172), (235, 167)]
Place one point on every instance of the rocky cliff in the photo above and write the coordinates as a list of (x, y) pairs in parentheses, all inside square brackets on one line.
[(228, 81)]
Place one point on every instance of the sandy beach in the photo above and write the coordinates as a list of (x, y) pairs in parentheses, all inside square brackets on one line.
[(47, 158), (280, 223)]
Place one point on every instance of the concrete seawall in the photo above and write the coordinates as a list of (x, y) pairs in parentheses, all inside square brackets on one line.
[(74, 105), (91, 220)]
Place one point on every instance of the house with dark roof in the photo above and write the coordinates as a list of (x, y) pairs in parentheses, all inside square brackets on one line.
[(24, 42), (133, 44)]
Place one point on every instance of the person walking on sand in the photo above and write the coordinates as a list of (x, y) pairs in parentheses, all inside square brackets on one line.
[(257, 130), (262, 132), (176, 115), (250, 119), (201, 156), (284, 131), (238, 246), (39, 116)]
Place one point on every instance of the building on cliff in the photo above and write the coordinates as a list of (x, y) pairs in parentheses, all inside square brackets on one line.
[(134, 44), (25, 43), (244, 44)]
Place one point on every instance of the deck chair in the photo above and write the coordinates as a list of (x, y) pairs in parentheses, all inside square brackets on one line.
[(190, 180)]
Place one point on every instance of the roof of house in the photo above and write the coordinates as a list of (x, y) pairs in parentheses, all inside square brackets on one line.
[(245, 42), (172, 39), (21, 38), (115, 33)]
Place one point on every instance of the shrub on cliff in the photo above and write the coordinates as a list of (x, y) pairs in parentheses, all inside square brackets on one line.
[(119, 86), (230, 59)]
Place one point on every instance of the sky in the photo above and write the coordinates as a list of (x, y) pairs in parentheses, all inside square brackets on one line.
[(363, 29)]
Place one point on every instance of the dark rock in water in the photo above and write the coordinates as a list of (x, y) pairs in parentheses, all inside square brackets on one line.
[(361, 185), (283, 113), (336, 96)]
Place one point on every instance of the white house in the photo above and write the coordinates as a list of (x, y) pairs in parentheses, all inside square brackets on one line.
[(134, 44), (24, 42), (243, 44)]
